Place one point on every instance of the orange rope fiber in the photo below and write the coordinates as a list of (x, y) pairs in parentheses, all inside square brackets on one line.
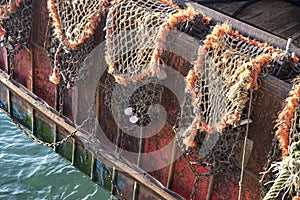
[(285, 118), (89, 31)]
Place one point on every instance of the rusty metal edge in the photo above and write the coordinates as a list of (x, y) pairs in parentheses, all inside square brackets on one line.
[(276, 86), (98, 149)]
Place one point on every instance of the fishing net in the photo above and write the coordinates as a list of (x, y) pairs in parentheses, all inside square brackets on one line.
[(220, 82), (140, 111), (136, 33), (15, 24), (282, 176), (131, 104), (217, 106), (70, 36), (274, 156)]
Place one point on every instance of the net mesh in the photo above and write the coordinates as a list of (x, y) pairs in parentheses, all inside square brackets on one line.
[(70, 36), (220, 82), (218, 86), (132, 104), (15, 24), (282, 176), (217, 103), (136, 32)]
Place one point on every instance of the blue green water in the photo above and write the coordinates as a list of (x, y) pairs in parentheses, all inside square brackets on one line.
[(31, 171)]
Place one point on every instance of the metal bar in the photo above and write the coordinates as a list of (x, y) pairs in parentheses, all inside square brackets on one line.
[(75, 102), (113, 181), (114, 170), (9, 106), (33, 125), (210, 189), (135, 191), (136, 186), (245, 29), (55, 128), (93, 167), (171, 168), (55, 136), (32, 88), (32, 61), (73, 152)]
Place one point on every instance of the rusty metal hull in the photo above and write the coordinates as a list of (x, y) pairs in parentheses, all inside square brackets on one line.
[(31, 93)]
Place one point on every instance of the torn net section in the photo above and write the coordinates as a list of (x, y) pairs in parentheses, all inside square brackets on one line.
[(70, 36), (218, 94), (136, 33), (283, 169), (15, 24)]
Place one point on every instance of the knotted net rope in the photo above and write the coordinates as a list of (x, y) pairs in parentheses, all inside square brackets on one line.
[(136, 33), (226, 70), (15, 24), (70, 36), (218, 88), (285, 172)]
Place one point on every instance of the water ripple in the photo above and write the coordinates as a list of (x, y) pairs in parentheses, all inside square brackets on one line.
[(31, 171)]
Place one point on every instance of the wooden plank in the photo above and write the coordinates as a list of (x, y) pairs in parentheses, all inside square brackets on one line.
[(252, 17), (289, 26), (273, 21), (273, 16), (229, 7)]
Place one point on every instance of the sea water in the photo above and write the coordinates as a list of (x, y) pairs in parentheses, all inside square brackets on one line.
[(31, 171)]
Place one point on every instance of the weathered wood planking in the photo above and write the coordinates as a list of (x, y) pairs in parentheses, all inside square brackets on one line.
[(278, 17)]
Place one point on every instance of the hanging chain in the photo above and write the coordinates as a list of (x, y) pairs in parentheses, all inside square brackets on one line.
[(10, 66), (196, 174), (88, 120), (61, 92), (245, 147), (191, 157), (72, 134)]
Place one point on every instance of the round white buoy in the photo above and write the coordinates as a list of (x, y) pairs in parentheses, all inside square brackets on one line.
[(133, 119), (128, 111)]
